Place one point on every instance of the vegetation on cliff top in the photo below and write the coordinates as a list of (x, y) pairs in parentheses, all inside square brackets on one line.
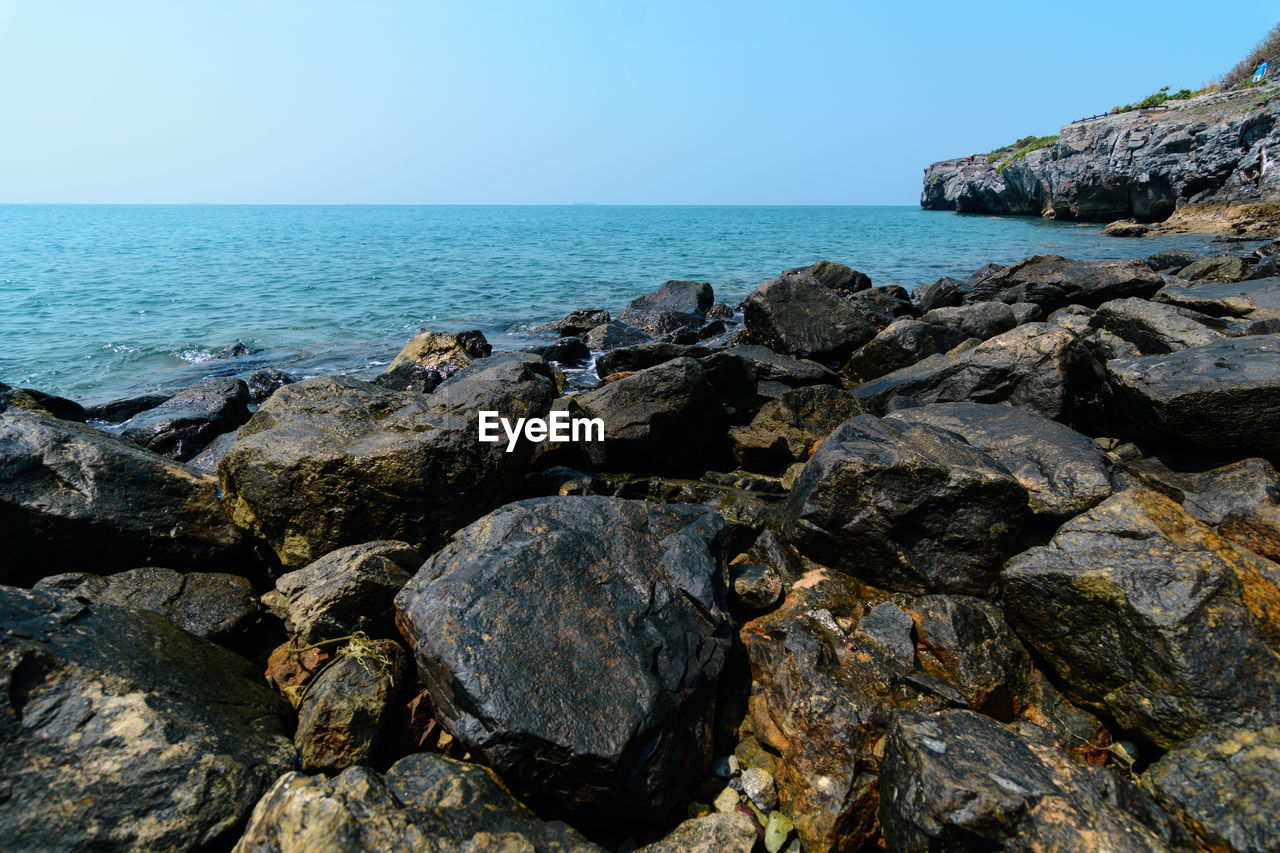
[(1266, 50), (1001, 157)]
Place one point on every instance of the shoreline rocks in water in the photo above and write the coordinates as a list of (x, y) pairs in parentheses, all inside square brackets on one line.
[(850, 569)]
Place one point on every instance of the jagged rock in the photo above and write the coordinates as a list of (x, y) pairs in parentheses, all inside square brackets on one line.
[(906, 506), (569, 351), (1256, 528), (1136, 605), (1222, 784), (898, 345), (213, 606), (1171, 259), (981, 320), (1224, 269), (263, 383), (1155, 328), (72, 496), (960, 781), (1038, 366), (347, 590), (797, 315), (664, 419), (32, 400), (577, 643), (444, 353), (1212, 495), (713, 833), (674, 305), (119, 411), (121, 732), (1026, 312), (783, 370), (882, 305), (346, 716), (183, 425), (755, 588), (1052, 281), (333, 461), (943, 293), (426, 802), (1256, 300), (787, 427), (641, 356), (1218, 398), (1064, 472), (1125, 228), (579, 322), (837, 277), (614, 334), (408, 376)]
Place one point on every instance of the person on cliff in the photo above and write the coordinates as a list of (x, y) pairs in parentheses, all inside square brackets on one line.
[(1260, 74)]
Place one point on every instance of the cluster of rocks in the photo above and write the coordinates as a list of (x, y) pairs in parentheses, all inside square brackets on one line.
[(989, 565)]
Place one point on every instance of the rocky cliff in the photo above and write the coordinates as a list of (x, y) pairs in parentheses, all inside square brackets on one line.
[(1217, 148)]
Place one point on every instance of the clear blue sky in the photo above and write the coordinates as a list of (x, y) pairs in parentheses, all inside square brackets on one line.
[(554, 101)]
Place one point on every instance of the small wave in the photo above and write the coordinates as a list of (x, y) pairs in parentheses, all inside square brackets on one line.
[(196, 356)]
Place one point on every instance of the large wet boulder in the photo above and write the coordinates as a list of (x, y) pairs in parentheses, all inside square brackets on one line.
[(1052, 281), (1136, 605), (901, 344), (1255, 300), (1223, 268), (41, 401), (1064, 472), (981, 320), (880, 306), (674, 305), (1037, 366), (666, 419), (579, 322), (778, 372), (183, 425), (1222, 785), (576, 644), (347, 590), (213, 606), (786, 429), (333, 461), (121, 732), (425, 802), (432, 357), (906, 506), (1211, 495), (961, 781), (1155, 327), (73, 497), (796, 315), (641, 356), (1220, 398), (839, 278), (119, 411), (615, 334)]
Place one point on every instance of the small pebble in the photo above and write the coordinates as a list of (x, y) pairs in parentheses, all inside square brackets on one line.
[(727, 801), (757, 783)]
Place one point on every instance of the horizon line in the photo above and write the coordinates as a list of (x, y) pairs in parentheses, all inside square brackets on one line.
[(429, 204)]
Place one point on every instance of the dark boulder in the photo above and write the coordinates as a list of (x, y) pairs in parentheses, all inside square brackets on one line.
[(1255, 300), (579, 322), (1026, 312), (1219, 398), (121, 732), (213, 606), (776, 369), (981, 320), (786, 428), (797, 315), (576, 644), (1222, 785), (943, 293), (1064, 472), (347, 714), (207, 460), (1052, 281), (333, 461), (72, 496), (907, 507), (674, 305), (119, 411), (663, 419), (263, 383), (1038, 366), (1171, 259), (409, 376), (1156, 328), (1135, 605), (1214, 494), (184, 424), (569, 351), (880, 306), (424, 802), (347, 590), (40, 401), (641, 356), (898, 345), (1224, 268), (615, 334), (843, 280), (961, 781)]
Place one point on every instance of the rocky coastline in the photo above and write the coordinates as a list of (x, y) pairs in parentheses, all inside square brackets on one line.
[(986, 565), (1192, 157)]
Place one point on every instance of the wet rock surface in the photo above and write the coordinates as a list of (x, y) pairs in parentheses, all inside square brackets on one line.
[(183, 425), (674, 305), (582, 667), (901, 344), (346, 715), (120, 731), (787, 428), (1052, 281), (799, 316)]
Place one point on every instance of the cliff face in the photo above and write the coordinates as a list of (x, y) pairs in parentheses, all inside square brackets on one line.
[(1219, 148)]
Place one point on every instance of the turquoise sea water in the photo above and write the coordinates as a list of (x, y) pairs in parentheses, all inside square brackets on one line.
[(103, 301)]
